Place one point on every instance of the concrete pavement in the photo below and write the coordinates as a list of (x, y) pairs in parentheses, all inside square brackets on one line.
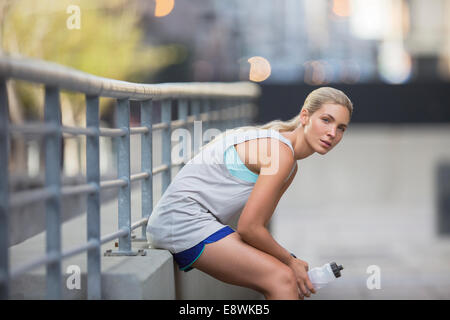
[(370, 204)]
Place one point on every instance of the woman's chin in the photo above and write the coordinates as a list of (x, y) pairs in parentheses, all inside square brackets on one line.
[(322, 151)]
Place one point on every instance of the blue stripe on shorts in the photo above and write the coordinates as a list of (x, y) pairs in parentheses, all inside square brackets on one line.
[(187, 257)]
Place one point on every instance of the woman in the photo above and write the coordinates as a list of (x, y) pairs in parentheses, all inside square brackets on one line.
[(246, 171)]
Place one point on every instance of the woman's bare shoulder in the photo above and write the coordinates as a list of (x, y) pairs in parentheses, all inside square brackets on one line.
[(275, 155)]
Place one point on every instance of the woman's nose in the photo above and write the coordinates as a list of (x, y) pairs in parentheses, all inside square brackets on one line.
[(332, 132)]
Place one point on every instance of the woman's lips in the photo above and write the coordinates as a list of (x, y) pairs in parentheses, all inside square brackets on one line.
[(324, 143)]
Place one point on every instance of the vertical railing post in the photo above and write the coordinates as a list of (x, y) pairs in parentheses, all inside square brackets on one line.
[(240, 113), (4, 178), (212, 127), (251, 111), (232, 120), (218, 107), (197, 128), (166, 117), (183, 115), (146, 163), (206, 109), (123, 172), (93, 199), (52, 116), (227, 105), (234, 105), (222, 105)]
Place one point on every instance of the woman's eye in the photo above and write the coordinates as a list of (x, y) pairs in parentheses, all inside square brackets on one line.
[(326, 120)]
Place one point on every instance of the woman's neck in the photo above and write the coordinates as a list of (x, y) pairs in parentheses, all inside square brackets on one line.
[(301, 147)]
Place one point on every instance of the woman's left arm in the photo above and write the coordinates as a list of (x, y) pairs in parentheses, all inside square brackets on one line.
[(266, 193), (258, 210)]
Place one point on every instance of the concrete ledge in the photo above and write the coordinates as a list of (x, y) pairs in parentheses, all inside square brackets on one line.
[(140, 277), (154, 276), (19, 227)]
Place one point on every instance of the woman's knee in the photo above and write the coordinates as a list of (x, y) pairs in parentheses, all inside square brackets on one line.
[(281, 279)]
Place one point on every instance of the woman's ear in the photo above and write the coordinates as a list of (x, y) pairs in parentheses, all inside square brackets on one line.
[(304, 117)]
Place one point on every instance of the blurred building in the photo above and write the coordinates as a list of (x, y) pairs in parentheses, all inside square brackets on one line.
[(311, 41)]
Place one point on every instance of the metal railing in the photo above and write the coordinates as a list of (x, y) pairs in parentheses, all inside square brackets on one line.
[(202, 99)]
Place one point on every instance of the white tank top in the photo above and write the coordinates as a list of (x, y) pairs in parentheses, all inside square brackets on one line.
[(203, 196)]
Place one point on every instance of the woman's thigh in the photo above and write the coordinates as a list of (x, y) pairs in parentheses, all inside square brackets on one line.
[(233, 261)]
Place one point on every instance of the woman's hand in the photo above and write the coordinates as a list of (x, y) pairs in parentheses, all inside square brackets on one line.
[(300, 269)]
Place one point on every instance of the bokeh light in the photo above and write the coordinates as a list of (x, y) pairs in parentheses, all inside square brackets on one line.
[(394, 63), (259, 69), (164, 7), (350, 71), (342, 8), (317, 72)]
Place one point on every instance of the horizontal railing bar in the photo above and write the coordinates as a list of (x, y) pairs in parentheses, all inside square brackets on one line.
[(139, 223), (159, 126), (138, 130), (44, 129), (191, 118), (44, 260), (112, 132), (34, 128), (177, 164), (49, 258), (160, 168), (203, 116), (113, 183), (91, 244), (79, 131), (63, 77), (214, 115), (179, 123), (139, 176), (112, 236), (79, 189), (23, 198)]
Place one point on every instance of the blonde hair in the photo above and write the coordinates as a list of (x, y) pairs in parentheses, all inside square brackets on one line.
[(313, 102)]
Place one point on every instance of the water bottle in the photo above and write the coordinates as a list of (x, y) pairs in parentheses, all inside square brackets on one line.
[(321, 276)]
